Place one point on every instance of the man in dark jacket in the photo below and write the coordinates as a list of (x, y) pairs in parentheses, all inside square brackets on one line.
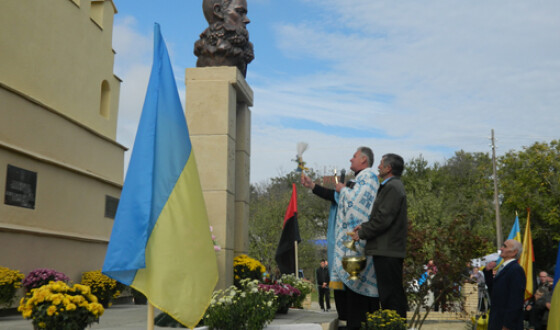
[(323, 279), (507, 289), (386, 233)]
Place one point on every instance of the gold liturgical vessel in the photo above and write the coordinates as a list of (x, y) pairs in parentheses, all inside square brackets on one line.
[(354, 265)]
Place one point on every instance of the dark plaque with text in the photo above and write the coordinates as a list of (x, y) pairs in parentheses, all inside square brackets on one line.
[(111, 204), (21, 186)]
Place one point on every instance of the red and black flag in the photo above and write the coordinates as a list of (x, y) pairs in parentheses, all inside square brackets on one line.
[(286, 254)]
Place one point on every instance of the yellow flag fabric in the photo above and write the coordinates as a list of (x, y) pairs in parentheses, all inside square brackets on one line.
[(527, 258), (161, 243), (181, 270), (554, 314)]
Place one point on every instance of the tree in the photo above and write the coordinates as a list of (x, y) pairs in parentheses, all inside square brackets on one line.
[(451, 246), (461, 188), (531, 179), (267, 209)]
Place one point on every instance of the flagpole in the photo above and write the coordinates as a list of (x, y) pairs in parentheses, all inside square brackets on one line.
[(499, 240), (296, 255), (150, 316)]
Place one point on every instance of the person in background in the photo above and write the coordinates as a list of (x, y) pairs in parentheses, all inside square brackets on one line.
[(478, 278), (543, 280), (538, 318), (507, 289), (323, 279)]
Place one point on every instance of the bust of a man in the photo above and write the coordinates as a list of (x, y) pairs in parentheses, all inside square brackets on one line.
[(226, 40)]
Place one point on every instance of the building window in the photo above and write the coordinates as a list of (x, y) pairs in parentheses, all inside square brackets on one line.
[(21, 186), (105, 104), (111, 204)]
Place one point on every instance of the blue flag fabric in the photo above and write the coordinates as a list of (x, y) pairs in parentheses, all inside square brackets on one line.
[(557, 269), (161, 243), (515, 234)]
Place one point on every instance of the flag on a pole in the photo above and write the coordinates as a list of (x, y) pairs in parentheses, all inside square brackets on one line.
[(528, 257), (515, 234), (285, 253), (161, 243), (554, 317)]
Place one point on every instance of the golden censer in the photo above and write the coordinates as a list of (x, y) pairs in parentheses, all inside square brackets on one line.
[(354, 265)]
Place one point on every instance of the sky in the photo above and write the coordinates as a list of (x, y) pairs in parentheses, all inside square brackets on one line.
[(416, 78)]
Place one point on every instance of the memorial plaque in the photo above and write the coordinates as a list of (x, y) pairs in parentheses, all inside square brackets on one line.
[(21, 186), (111, 204)]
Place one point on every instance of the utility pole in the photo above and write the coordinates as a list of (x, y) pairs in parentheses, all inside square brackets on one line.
[(499, 239)]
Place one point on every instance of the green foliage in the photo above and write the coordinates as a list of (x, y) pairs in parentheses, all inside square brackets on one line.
[(57, 306), (243, 307), (459, 191), (245, 267), (102, 286), (531, 179), (267, 209), (461, 187), (10, 281), (450, 246), (304, 287), (384, 319)]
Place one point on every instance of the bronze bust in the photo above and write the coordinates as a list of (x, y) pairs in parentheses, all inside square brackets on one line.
[(226, 40)]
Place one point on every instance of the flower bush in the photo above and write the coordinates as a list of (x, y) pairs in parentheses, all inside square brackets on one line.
[(246, 267), (241, 307), (41, 276), (285, 294), (10, 281), (385, 319), (103, 287), (57, 306), (304, 288)]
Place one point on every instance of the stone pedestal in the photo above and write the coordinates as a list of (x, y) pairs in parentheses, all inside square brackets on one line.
[(219, 120)]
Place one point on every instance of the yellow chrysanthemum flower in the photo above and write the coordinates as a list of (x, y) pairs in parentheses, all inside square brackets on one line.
[(51, 310), (26, 313)]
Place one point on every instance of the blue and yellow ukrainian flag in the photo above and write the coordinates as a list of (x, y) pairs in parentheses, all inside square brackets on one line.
[(161, 243), (515, 234)]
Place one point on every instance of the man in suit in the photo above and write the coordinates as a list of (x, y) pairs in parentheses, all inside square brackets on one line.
[(507, 289), (386, 233)]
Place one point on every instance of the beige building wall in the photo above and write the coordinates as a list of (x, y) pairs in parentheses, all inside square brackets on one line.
[(60, 52), (58, 118)]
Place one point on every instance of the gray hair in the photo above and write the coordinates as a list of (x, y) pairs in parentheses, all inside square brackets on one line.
[(518, 247), (368, 153), (396, 162)]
